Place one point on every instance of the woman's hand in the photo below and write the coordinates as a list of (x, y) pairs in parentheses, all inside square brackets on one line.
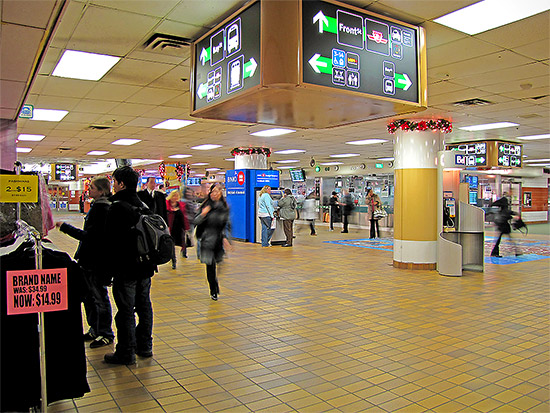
[(227, 245), (206, 210), (58, 224)]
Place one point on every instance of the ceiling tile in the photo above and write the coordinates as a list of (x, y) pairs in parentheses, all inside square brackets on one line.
[(131, 109), (136, 72), (72, 15), (10, 98), (157, 8), (518, 73), (538, 50), (188, 12), (112, 91), (58, 86), (469, 47), (153, 96), (428, 10), (56, 102), (95, 106), (525, 85), (21, 59), (30, 13)]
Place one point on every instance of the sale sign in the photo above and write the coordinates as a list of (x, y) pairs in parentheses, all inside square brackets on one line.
[(36, 291)]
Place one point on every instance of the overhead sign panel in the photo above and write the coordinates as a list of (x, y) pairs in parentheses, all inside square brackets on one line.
[(486, 154), (346, 49), (226, 60)]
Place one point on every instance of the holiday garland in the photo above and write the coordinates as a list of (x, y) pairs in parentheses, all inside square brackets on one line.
[(162, 170), (251, 151), (180, 171), (442, 125)]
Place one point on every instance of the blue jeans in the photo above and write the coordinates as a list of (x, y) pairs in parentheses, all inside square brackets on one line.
[(97, 306), (133, 296), (267, 232)]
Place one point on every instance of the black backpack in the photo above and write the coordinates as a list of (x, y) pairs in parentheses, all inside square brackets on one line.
[(155, 245)]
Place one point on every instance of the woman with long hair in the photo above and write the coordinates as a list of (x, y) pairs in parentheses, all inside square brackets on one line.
[(212, 232), (266, 214), (177, 222)]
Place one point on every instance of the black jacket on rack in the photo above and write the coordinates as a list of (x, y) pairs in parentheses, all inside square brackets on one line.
[(19, 354)]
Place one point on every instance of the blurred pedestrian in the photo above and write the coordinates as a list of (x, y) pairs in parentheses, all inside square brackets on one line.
[(266, 213), (373, 201), (334, 212), (89, 253), (287, 212), (310, 212), (347, 206), (212, 231), (502, 222), (178, 223)]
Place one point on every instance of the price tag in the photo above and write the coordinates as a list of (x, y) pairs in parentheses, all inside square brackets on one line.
[(36, 291), (18, 188)]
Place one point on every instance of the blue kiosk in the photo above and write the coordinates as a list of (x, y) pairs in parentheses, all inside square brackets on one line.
[(241, 186)]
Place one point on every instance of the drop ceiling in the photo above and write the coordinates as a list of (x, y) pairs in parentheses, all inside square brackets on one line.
[(506, 66)]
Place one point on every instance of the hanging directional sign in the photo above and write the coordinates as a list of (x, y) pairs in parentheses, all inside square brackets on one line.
[(357, 51), (226, 60), (487, 154)]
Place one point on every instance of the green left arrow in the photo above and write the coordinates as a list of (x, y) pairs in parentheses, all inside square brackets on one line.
[(201, 91), (321, 64)]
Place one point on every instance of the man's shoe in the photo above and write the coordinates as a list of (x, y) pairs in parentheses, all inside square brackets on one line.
[(114, 358), (145, 354), (89, 336), (214, 297), (344, 232), (101, 341), (183, 254), (287, 245), (496, 255), (519, 254), (173, 265)]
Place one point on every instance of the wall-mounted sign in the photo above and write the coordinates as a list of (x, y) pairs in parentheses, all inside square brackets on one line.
[(18, 188), (379, 165), (64, 172), (27, 112), (347, 49), (227, 59)]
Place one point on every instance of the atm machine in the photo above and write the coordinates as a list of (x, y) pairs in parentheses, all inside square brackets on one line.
[(279, 236)]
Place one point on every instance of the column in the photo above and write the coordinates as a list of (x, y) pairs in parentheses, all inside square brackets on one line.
[(8, 143), (415, 202)]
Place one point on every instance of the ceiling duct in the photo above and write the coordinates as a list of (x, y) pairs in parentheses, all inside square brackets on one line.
[(99, 127), (158, 42), (473, 102)]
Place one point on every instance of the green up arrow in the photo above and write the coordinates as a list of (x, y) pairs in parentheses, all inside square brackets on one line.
[(205, 55), (321, 64), (402, 81), (326, 23), (201, 91)]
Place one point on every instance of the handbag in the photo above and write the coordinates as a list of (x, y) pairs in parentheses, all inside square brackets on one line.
[(380, 213)]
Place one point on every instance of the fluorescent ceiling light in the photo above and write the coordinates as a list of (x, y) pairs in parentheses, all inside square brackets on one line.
[(212, 169), (206, 147), (289, 151), (230, 159), (83, 65), (366, 142), (136, 162), (23, 150), (221, 173), (331, 163), (32, 138), (125, 142), (285, 167), (97, 152), (152, 171), (535, 160), (488, 126), (179, 156), (173, 124), (200, 164), (288, 161), (534, 137), (540, 164), (385, 159), (273, 132), (344, 155), (488, 14), (199, 175), (49, 115)]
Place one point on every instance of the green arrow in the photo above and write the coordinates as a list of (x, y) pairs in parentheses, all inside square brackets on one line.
[(250, 68), (332, 25), (402, 81), (205, 55), (321, 64), (201, 91)]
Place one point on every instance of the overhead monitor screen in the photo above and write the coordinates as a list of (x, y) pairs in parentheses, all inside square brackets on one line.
[(350, 50), (297, 175), (227, 60), (65, 172)]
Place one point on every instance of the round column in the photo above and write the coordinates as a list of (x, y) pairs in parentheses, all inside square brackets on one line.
[(254, 161), (415, 201)]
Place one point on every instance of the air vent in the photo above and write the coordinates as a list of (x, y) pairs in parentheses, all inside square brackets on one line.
[(65, 149), (158, 42), (530, 116), (538, 97), (473, 102), (99, 127)]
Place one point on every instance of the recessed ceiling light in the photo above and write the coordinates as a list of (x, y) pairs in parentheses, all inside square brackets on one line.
[(206, 147), (288, 161), (273, 132), (212, 169), (125, 142), (173, 124), (535, 160), (82, 65), (97, 152), (221, 173), (230, 159), (331, 163), (366, 142), (23, 150), (285, 167), (344, 155), (33, 138), (199, 175), (200, 164), (488, 126), (534, 137), (49, 115), (385, 159), (179, 156), (488, 14), (289, 151), (540, 164)]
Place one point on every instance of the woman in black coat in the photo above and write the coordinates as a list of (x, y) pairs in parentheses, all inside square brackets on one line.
[(212, 223), (90, 250), (502, 222)]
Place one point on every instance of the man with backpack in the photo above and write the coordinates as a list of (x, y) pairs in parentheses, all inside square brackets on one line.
[(131, 275)]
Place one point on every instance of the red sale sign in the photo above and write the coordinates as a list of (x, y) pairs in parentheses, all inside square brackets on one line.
[(36, 291)]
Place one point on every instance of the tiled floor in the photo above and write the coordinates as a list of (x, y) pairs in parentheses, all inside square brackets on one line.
[(327, 327)]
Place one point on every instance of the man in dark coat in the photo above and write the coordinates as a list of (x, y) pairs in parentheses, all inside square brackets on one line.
[(155, 200), (131, 278)]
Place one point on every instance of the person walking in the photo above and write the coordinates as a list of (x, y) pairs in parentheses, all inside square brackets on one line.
[(266, 213), (347, 209), (373, 201), (287, 212), (334, 210), (502, 222), (91, 247), (131, 278), (212, 231), (178, 224), (155, 200), (310, 212)]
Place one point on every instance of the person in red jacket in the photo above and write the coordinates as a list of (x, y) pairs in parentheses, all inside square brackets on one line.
[(178, 223)]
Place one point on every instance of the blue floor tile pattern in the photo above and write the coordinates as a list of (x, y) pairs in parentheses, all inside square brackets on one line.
[(531, 249)]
